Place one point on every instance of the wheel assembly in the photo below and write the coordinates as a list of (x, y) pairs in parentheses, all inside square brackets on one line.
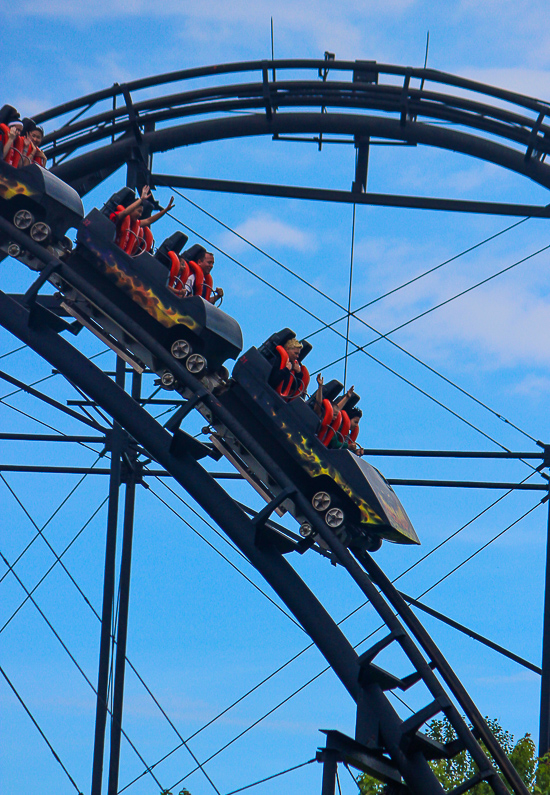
[(167, 379), (334, 517), (321, 501), (22, 219), (40, 232), (180, 349), (195, 363)]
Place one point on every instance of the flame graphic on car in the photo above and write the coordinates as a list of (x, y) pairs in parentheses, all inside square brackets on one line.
[(315, 467), (12, 187), (144, 296)]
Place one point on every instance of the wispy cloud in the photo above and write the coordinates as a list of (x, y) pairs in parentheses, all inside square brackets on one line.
[(499, 322), (533, 386), (263, 229)]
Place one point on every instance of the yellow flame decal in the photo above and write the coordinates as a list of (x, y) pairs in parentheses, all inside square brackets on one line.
[(142, 295), (316, 467), (12, 187)]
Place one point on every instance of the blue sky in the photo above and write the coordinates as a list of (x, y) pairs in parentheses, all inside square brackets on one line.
[(199, 634)]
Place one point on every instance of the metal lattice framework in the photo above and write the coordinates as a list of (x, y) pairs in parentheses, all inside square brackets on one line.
[(503, 128)]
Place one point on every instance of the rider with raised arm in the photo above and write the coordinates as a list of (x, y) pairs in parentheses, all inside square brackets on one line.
[(135, 210)]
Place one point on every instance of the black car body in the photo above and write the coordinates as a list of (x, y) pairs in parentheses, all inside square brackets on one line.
[(43, 199), (138, 285), (288, 431)]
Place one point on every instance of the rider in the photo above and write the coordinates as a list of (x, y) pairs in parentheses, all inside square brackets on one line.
[(205, 260), (287, 376), (135, 211), (338, 406)]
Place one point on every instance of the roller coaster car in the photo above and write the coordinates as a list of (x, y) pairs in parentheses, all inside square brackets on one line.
[(197, 333), (37, 202), (352, 496)]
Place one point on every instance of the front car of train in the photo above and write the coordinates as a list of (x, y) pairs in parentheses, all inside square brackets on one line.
[(355, 500)]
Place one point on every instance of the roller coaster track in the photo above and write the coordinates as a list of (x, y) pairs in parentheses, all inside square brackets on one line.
[(365, 101), (392, 749)]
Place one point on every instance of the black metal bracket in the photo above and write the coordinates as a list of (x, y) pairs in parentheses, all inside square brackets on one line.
[(341, 748), (323, 73), (546, 460), (405, 100), (266, 536), (30, 296), (533, 136), (184, 442), (177, 418), (131, 471), (362, 145), (269, 109)]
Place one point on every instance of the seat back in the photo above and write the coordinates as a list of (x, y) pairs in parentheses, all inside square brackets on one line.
[(124, 197), (174, 243)]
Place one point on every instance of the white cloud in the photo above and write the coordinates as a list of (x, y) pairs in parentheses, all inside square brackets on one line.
[(263, 229), (533, 386), (500, 322), (522, 79), (510, 679)]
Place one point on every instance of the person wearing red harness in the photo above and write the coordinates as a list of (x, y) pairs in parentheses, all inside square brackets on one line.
[(33, 138), (134, 212), (289, 376), (354, 415), (339, 428), (12, 141), (205, 261)]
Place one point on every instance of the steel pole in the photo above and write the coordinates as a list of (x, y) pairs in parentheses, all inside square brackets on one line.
[(117, 441), (330, 766), (544, 733), (124, 604)]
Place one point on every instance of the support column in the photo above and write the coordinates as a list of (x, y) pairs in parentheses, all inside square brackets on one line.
[(330, 765), (117, 443), (124, 603), (544, 732)]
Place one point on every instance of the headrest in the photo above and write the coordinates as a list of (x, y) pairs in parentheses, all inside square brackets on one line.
[(194, 254), (332, 390), (175, 243), (268, 347), (8, 113), (306, 348), (124, 196), (353, 401)]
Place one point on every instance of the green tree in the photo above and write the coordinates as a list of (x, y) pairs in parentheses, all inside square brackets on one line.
[(181, 792), (535, 772)]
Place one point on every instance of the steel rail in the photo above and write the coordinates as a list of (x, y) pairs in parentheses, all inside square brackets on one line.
[(291, 107), (478, 119), (385, 98), (219, 70)]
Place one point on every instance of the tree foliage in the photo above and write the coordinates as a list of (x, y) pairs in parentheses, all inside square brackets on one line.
[(534, 771)]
